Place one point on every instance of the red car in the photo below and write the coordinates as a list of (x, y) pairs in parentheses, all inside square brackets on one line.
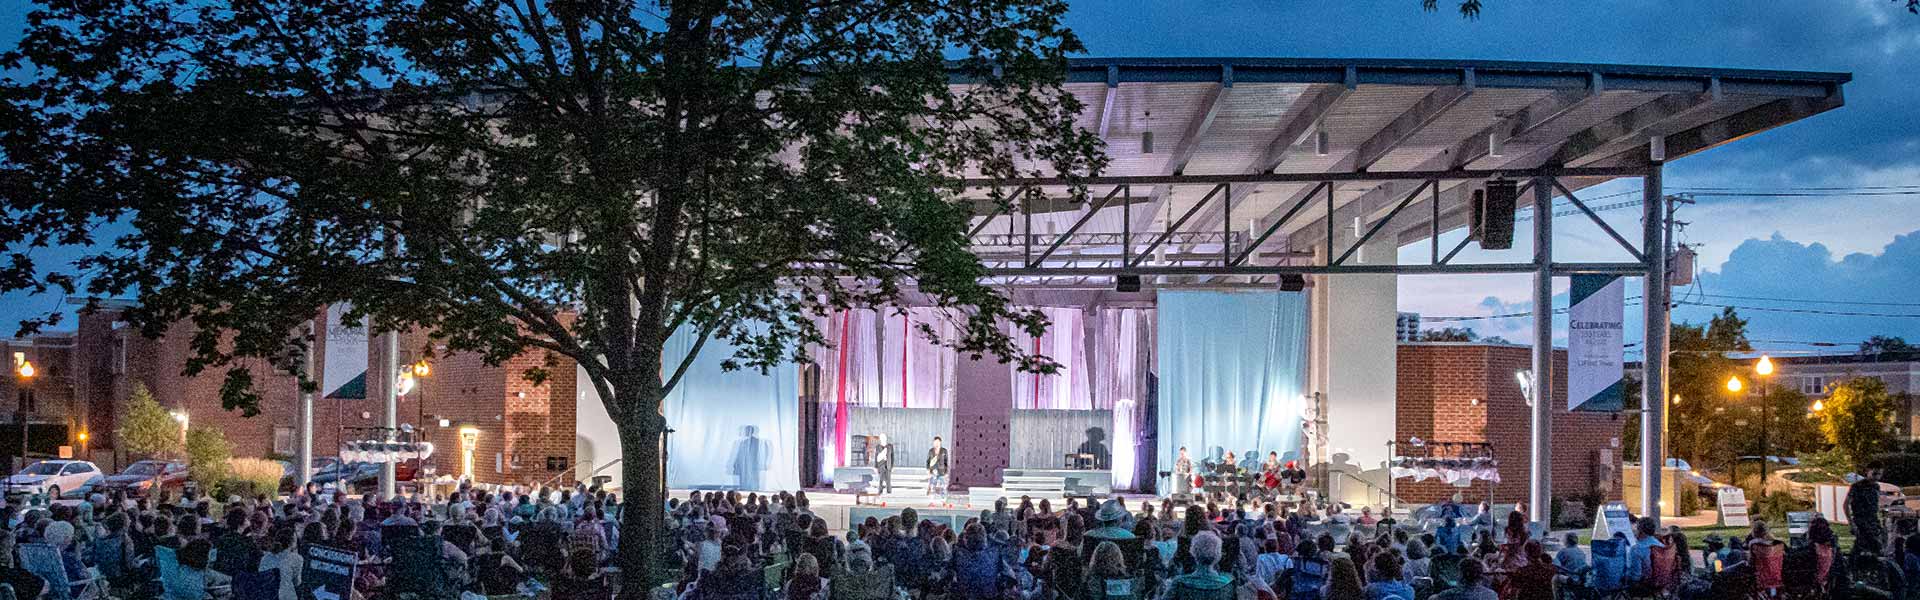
[(139, 478)]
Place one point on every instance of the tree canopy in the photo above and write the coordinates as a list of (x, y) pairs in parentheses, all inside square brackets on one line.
[(1858, 418), (578, 179)]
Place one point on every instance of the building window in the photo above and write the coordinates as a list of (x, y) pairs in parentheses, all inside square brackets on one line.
[(119, 357), (283, 440)]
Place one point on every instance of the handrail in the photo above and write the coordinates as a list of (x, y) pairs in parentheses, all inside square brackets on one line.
[(570, 468), (1373, 486)]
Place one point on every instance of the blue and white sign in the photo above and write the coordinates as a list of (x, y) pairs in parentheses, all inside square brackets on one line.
[(1595, 346)]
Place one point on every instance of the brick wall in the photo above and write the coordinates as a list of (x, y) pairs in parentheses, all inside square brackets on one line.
[(1467, 393), (521, 424)]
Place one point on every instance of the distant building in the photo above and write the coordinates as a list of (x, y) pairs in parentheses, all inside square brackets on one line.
[(1406, 327), (1816, 376)]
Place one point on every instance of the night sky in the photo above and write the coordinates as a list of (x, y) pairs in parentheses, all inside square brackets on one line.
[(1802, 252)]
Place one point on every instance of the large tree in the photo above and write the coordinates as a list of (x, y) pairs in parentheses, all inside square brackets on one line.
[(578, 178), (1858, 419)]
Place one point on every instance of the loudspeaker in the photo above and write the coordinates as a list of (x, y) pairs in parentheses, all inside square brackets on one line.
[(1496, 214), (1126, 283), (1293, 282)]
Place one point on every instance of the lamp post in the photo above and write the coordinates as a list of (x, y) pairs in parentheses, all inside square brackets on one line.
[(23, 375), (1734, 386), (1764, 369), (421, 370)]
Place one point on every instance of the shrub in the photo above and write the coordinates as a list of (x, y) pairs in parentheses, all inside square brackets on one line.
[(1775, 506), (1901, 468), (1689, 499), (247, 477), (208, 453)]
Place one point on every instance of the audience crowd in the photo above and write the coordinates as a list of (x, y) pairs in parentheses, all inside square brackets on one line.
[(738, 546)]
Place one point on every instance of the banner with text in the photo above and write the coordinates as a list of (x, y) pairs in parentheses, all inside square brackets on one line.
[(1595, 346)]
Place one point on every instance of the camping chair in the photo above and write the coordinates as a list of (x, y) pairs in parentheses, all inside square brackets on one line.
[(1608, 578), (1663, 562), (417, 570), (257, 585), (775, 574), (43, 561), (1767, 559)]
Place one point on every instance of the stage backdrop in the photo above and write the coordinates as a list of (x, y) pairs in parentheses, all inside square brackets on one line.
[(1232, 367), (737, 429)]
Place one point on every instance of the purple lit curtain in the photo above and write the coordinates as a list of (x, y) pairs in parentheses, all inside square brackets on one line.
[(879, 359)]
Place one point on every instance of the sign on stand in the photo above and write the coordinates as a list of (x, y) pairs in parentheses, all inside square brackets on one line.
[(1799, 523), (329, 573), (1733, 507), (1613, 519)]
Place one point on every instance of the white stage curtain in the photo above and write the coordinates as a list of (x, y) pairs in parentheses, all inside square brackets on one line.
[(732, 430), (1232, 368), (1066, 343)]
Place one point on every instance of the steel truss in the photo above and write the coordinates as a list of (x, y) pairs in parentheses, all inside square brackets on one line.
[(1039, 258)]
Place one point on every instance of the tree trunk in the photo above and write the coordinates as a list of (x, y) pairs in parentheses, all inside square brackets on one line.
[(643, 545)]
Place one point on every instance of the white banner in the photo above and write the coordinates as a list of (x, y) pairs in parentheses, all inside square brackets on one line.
[(346, 350), (1595, 347)]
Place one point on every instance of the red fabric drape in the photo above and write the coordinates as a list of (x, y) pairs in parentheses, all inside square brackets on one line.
[(840, 395)]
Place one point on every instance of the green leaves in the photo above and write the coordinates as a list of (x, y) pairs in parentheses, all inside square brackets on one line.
[(579, 179)]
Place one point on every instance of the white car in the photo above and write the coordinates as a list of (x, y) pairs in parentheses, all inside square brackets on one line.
[(56, 478)]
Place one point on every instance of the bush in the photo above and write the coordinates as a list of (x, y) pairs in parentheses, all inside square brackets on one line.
[(248, 477), (1775, 506), (1690, 502), (208, 453), (1901, 468)]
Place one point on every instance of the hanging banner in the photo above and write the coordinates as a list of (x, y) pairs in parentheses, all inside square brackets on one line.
[(1595, 346)]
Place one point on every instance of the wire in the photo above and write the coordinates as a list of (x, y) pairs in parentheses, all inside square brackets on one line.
[(1807, 311), (1811, 301)]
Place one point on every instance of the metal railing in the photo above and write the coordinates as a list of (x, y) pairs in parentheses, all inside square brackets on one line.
[(574, 466)]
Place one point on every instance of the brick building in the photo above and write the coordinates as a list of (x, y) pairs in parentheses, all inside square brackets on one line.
[(1466, 392), (55, 413), (523, 432)]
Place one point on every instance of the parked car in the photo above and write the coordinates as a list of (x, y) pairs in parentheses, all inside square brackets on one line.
[(56, 479), (138, 478)]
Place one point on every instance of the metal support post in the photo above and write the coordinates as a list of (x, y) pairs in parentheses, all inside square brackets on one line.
[(1540, 485), (1653, 391), (390, 373), (303, 452)]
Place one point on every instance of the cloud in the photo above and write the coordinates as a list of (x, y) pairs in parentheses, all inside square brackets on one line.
[(1776, 275)]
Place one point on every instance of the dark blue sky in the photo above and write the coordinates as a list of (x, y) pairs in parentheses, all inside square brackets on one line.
[(1801, 248)]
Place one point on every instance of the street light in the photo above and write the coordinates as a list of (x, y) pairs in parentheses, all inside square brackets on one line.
[(1764, 368), (1818, 405), (25, 372), (416, 375), (1733, 384)]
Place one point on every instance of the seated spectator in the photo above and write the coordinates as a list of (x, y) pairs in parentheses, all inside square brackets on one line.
[(862, 580), (1473, 584), (1387, 579), (804, 581), (1203, 582), (582, 579)]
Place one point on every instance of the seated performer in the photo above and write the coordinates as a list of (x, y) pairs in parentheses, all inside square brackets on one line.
[(1183, 473), (1270, 473)]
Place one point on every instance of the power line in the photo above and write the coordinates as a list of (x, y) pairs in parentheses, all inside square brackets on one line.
[(1811, 301), (1807, 311)]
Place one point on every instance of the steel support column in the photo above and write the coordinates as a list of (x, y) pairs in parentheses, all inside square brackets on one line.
[(1653, 392), (390, 416), (303, 452), (1540, 485)]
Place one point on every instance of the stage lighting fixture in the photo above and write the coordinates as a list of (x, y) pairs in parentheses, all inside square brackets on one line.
[(1293, 282)]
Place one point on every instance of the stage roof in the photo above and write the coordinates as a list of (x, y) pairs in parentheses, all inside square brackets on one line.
[(1213, 120)]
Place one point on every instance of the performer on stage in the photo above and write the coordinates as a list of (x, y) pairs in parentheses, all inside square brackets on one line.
[(1183, 473), (1270, 473), (883, 462), (937, 467)]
